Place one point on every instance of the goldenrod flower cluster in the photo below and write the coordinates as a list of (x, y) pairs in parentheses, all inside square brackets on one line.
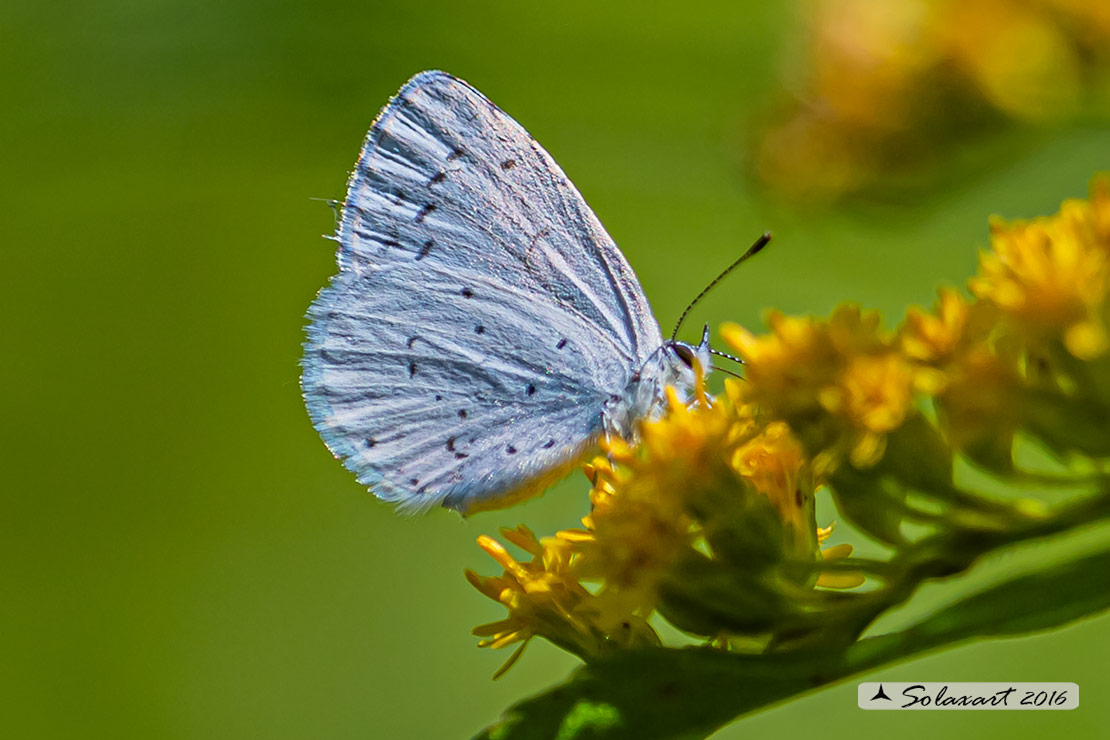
[(879, 87), (709, 520)]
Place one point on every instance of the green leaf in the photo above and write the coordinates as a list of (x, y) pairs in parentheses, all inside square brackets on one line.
[(873, 503), (1068, 424), (918, 456), (659, 693), (1049, 598)]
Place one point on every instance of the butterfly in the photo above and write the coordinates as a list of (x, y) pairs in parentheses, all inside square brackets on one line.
[(483, 331)]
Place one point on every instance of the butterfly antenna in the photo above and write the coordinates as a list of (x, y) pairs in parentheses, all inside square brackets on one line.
[(726, 372), (726, 355), (753, 250)]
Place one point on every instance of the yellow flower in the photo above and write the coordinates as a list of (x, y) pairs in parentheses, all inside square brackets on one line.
[(638, 521), (875, 394), (711, 505), (709, 521), (542, 597), (631, 537), (831, 555), (840, 579), (840, 384), (972, 372), (933, 338), (1051, 275), (775, 465)]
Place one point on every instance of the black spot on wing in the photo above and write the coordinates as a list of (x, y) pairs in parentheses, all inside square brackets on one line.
[(426, 249), (424, 211)]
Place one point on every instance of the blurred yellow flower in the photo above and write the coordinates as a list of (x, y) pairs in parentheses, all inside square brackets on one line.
[(958, 360), (839, 580), (1016, 54), (1051, 275), (933, 338), (875, 395), (883, 87)]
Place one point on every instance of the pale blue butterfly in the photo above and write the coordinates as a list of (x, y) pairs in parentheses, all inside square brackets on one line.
[(483, 331)]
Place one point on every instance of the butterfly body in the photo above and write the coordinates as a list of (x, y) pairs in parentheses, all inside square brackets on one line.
[(483, 330)]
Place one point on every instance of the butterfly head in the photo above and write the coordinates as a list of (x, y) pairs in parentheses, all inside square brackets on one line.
[(675, 364), (682, 362)]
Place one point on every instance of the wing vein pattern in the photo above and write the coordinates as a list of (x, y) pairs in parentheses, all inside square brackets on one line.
[(481, 316)]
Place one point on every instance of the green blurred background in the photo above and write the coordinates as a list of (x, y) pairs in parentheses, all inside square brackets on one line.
[(180, 556)]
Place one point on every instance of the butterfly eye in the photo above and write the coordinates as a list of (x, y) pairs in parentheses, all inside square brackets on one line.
[(685, 354)]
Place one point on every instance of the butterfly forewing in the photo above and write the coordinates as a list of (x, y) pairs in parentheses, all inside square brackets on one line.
[(481, 315)]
